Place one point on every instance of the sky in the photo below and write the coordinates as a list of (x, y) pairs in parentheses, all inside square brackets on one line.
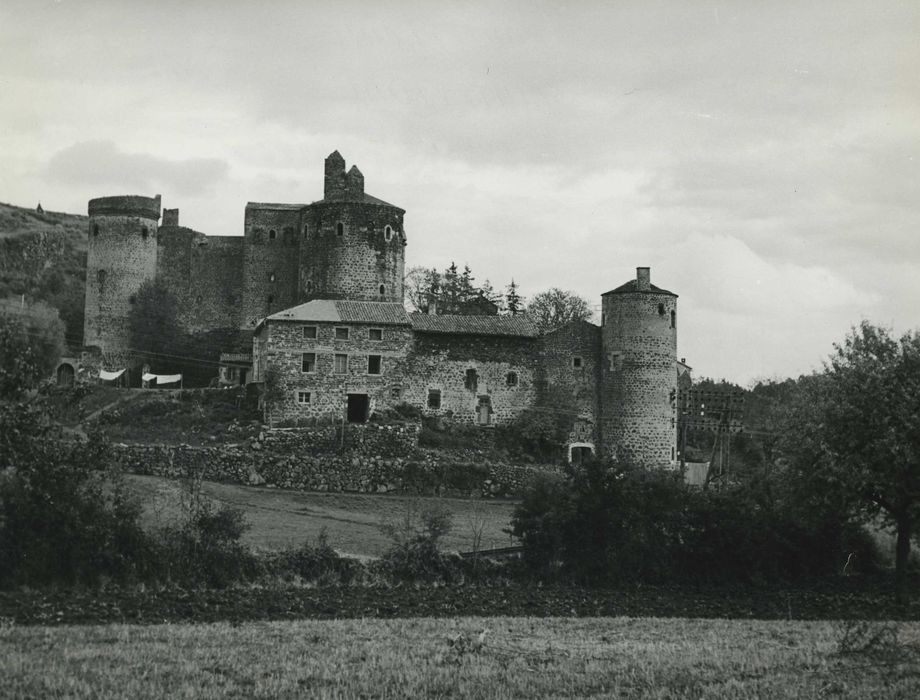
[(761, 157)]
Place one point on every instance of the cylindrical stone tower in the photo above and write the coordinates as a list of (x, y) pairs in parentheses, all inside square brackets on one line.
[(639, 373), (353, 245), (122, 255)]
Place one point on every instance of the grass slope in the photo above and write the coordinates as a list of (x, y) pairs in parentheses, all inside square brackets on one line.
[(459, 657), (281, 518)]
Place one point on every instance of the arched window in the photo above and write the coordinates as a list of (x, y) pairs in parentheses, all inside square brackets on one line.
[(144, 233), (383, 290), (388, 233), (340, 229), (272, 234)]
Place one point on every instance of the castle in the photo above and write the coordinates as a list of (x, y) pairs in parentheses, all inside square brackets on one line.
[(315, 293)]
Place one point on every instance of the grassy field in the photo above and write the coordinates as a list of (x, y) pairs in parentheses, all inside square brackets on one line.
[(282, 518), (465, 657)]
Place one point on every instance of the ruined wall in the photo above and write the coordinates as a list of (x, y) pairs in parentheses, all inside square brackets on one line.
[(572, 365), (122, 255), (441, 361), (204, 273), (355, 263), (270, 260), (285, 344), (639, 377)]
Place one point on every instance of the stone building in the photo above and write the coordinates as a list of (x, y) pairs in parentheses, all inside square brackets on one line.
[(315, 293)]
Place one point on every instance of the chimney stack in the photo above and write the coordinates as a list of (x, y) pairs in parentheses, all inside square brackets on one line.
[(643, 279)]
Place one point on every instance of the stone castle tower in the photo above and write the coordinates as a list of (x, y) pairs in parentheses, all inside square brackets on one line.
[(122, 255), (638, 392)]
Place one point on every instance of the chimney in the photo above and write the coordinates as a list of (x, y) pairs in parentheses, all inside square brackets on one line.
[(643, 279), (334, 186), (354, 185), (170, 217)]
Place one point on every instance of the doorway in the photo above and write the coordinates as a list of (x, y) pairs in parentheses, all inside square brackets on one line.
[(484, 411), (65, 375), (358, 405)]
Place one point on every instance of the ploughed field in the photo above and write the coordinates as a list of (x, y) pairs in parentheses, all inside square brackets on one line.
[(465, 657), (281, 518)]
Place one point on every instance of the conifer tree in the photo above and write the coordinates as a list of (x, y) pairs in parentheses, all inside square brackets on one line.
[(514, 303)]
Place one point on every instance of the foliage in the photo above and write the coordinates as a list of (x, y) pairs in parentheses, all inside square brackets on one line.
[(514, 302), (31, 343), (554, 308), (318, 563), (856, 436), (454, 290), (153, 322), (541, 430), (65, 515), (414, 554), (613, 522)]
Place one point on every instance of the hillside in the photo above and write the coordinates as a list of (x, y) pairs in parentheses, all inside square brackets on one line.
[(43, 256)]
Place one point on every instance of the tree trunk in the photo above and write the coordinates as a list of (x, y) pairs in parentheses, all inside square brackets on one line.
[(902, 551)]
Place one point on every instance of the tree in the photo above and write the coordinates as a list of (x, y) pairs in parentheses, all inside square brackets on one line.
[(153, 323), (449, 299), (858, 432), (554, 308), (31, 343), (514, 302), (467, 291), (420, 282)]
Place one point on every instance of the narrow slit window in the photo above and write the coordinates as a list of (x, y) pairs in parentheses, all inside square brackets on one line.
[(340, 229), (661, 309), (673, 319), (388, 233)]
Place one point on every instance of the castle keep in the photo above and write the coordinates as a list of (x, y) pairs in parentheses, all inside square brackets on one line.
[(315, 293)]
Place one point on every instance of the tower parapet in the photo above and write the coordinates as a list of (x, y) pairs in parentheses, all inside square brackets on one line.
[(639, 373), (122, 255)]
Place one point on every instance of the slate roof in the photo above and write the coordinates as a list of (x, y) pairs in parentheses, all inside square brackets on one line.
[(630, 288), (514, 326), (338, 311)]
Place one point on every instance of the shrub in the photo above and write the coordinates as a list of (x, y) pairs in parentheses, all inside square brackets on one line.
[(318, 563), (414, 555)]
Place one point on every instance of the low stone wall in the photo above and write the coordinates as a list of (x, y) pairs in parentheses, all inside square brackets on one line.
[(375, 459)]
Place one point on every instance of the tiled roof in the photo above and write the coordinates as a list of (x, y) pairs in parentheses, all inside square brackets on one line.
[(338, 311), (519, 326), (274, 205), (366, 198), (630, 288)]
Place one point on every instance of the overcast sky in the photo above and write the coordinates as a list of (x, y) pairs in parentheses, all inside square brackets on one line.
[(761, 157)]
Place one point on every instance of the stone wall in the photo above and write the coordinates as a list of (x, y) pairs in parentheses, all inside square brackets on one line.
[(327, 390), (572, 364), (374, 459), (122, 255), (270, 260), (442, 362), (639, 377)]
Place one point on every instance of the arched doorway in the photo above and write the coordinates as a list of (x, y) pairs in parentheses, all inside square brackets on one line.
[(580, 452), (65, 374)]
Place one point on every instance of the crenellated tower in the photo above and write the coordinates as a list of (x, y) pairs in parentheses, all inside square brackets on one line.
[(638, 392), (122, 255)]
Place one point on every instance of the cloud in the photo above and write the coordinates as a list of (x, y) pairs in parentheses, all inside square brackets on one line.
[(102, 164)]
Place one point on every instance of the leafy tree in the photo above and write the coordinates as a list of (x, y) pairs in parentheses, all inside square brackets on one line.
[(554, 308), (514, 302), (31, 343), (858, 432), (420, 283), (153, 322)]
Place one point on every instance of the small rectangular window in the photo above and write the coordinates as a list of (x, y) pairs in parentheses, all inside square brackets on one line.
[(309, 332), (303, 398), (373, 364), (341, 334), (375, 334), (341, 364), (434, 398), (395, 393), (308, 362), (576, 362), (472, 380)]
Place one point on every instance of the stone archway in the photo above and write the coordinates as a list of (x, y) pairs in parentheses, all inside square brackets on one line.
[(65, 374)]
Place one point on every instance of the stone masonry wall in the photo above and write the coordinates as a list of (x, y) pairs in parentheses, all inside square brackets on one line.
[(639, 378), (285, 346), (579, 341), (375, 459), (441, 362), (270, 263), (122, 255), (355, 264)]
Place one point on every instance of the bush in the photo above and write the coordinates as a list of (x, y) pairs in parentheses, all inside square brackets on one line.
[(65, 514), (611, 522), (318, 563), (414, 555)]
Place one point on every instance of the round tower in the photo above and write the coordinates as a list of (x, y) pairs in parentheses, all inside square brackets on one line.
[(639, 373), (353, 244), (122, 255)]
